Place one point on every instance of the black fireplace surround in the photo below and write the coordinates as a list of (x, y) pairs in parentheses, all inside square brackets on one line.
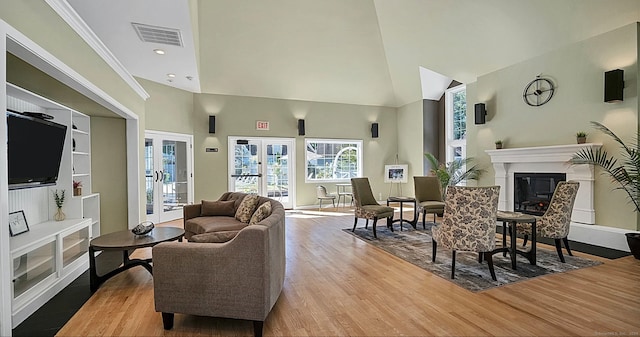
[(533, 191)]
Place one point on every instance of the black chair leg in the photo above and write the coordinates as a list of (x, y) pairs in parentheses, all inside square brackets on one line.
[(489, 257), (366, 223), (453, 264), (390, 223), (480, 257), (559, 249), (526, 237), (424, 215), (375, 220), (167, 320), (566, 245), (334, 202), (434, 247), (257, 328), (355, 222)]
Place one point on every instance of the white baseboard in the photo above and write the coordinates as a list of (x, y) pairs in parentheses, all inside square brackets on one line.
[(602, 236)]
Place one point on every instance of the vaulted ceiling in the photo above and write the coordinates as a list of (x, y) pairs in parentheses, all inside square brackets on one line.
[(345, 51)]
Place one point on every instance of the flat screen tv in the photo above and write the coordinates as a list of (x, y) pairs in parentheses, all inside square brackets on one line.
[(34, 150)]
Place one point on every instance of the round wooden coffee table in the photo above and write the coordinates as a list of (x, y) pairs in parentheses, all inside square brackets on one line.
[(126, 241)]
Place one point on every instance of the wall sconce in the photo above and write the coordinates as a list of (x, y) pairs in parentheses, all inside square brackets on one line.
[(614, 86), (481, 112), (212, 124), (301, 127), (374, 130)]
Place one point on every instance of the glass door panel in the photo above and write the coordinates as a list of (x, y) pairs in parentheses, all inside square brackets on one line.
[(150, 180), (262, 166), (246, 168), (175, 176)]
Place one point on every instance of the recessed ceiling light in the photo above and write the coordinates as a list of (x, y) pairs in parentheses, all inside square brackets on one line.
[(171, 75), (159, 51)]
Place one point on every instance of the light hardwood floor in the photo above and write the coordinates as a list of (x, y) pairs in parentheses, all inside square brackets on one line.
[(338, 285)]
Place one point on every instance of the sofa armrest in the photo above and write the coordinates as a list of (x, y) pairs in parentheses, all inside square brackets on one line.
[(191, 211), (232, 279)]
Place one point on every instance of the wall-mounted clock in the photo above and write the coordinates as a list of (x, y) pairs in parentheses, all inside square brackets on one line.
[(538, 91)]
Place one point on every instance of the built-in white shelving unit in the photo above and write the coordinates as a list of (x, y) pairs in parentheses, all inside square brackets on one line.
[(52, 253)]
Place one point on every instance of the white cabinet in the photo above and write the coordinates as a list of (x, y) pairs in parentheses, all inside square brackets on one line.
[(53, 253), (45, 260)]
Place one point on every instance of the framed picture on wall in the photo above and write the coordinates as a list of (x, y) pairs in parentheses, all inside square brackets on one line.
[(17, 223), (396, 173)]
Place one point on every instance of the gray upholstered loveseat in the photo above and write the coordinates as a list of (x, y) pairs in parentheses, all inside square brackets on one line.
[(241, 278)]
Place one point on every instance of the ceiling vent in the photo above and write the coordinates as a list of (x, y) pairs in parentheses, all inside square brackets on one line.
[(157, 34)]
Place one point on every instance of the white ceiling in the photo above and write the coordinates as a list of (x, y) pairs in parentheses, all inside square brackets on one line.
[(345, 51)]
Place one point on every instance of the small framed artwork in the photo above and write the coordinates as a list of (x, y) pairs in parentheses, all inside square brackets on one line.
[(17, 223), (396, 173)]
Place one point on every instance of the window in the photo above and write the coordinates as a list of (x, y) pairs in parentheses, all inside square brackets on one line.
[(456, 126), (333, 160)]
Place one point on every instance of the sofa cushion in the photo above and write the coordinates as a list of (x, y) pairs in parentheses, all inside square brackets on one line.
[(214, 237), (206, 224), (247, 207), (210, 208), (263, 211)]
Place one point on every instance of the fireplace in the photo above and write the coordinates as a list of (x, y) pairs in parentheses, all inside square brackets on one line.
[(532, 192), (544, 160)]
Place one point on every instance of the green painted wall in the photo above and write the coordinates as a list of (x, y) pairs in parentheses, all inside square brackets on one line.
[(578, 70), (168, 109), (236, 116), (410, 149), (109, 171)]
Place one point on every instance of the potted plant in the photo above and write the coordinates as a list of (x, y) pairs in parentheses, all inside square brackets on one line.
[(77, 188), (499, 144), (59, 199), (581, 137), (626, 173), (452, 173)]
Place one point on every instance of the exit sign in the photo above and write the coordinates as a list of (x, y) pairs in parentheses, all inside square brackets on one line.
[(262, 125)]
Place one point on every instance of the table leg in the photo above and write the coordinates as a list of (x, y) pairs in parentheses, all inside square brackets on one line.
[(513, 244), (401, 219), (504, 238), (93, 275), (532, 254)]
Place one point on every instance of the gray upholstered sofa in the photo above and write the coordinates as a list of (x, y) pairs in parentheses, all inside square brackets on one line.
[(241, 278)]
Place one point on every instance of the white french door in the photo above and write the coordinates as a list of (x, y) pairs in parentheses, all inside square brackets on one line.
[(169, 174), (264, 166)]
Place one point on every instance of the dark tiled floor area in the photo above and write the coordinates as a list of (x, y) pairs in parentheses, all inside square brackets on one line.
[(49, 319), (52, 316)]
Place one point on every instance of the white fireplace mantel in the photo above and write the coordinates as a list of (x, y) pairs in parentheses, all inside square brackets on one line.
[(546, 159)]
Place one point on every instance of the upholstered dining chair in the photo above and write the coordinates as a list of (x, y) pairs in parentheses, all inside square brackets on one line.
[(468, 223), (428, 196), (366, 205), (555, 222), (322, 194)]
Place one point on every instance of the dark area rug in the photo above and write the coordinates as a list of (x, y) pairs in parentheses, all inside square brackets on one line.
[(414, 246)]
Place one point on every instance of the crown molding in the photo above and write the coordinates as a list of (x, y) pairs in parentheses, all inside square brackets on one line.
[(71, 17)]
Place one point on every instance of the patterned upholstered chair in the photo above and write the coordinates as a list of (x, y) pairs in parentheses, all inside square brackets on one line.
[(428, 196), (469, 223), (554, 224), (366, 205), (321, 193)]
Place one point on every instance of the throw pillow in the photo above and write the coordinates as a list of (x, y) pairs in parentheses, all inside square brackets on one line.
[(246, 208), (261, 213), (213, 208)]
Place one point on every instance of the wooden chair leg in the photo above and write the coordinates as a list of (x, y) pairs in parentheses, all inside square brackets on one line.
[(257, 328), (489, 257), (566, 245), (167, 320), (375, 220), (453, 264), (424, 215), (559, 249), (355, 222), (434, 247)]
